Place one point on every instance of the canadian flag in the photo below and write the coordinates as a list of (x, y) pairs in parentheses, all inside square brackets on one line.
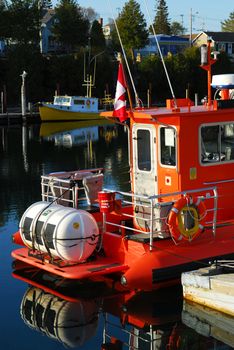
[(120, 100)]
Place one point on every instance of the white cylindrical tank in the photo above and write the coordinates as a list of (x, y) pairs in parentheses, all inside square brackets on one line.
[(67, 233)]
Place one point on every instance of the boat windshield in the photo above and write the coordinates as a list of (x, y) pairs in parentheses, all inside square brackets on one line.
[(217, 143), (62, 100)]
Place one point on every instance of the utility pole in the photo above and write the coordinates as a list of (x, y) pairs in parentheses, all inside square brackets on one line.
[(182, 19), (191, 27)]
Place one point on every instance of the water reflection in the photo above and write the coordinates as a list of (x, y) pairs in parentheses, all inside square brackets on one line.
[(208, 322), (72, 313), (28, 151), (70, 134), (71, 323)]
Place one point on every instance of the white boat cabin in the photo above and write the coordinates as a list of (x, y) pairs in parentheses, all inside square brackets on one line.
[(76, 103)]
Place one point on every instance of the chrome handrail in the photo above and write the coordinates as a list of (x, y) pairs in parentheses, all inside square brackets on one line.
[(152, 202)]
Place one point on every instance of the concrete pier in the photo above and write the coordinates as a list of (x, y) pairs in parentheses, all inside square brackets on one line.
[(212, 287)]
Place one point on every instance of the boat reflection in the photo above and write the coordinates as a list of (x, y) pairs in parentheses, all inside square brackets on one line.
[(208, 322), (72, 323), (68, 134), (74, 313)]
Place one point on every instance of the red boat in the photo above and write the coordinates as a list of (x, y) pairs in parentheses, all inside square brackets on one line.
[(178, 216)]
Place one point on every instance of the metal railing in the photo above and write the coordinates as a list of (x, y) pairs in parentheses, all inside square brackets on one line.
[(139, 214), (153, 211), (135, 338), (67, 188)]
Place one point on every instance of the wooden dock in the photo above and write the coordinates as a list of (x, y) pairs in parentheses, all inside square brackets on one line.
[(212, 286), (17, 118)]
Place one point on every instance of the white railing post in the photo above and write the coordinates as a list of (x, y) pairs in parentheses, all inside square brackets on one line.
[(215, 210), (151, 223)]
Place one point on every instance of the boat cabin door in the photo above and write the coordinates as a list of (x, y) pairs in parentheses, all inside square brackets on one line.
[(144, 172), (144, 159)]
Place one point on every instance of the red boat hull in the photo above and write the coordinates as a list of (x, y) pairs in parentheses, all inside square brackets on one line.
[(140, 267)]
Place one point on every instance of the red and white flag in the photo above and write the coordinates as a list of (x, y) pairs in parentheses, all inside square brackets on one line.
[(120, 100)]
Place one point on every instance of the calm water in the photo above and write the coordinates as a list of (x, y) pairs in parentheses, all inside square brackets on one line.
[(61, 317)]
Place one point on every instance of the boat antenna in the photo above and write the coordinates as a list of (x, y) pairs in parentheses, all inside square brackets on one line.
[(160, 53), (125, 58)]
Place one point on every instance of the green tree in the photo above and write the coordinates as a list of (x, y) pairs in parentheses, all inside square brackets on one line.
[(132, 27), (161, 21), (23, 26), (97, 39), (228, 24), (3, 19), (177, 28), (70, 27)]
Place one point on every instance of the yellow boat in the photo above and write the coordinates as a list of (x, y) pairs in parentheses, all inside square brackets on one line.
[(70, 108)]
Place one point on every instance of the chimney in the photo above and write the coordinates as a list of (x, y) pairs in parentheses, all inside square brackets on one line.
[(100, 21)]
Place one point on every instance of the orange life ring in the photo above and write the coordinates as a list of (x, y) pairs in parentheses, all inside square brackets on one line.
[(197, 209)]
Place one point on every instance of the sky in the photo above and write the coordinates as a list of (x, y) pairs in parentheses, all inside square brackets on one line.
[(206, 14)]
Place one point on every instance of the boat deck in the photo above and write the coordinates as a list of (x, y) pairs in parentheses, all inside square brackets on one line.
[(98, 266), (142, 237)]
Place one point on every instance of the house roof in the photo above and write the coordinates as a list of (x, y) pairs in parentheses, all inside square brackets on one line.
[(169, 38), (189, 35), (218, 36), (48, 14)]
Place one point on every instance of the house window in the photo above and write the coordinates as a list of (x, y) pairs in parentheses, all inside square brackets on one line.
[(217, 143), (168, 146), (143, 150)]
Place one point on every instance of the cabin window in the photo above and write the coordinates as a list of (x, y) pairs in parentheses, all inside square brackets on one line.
[(79, 102), (62, 100), (217, 143), (168, 146), (143, 150)]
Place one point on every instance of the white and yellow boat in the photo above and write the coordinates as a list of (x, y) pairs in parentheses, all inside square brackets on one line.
[(66, 108)]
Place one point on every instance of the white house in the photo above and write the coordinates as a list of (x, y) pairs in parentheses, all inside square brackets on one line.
[(220, 41)]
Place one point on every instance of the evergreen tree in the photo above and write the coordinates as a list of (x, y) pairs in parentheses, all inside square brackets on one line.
[(228, 24), (161, 21), (23, 26), (132, 27), (96, 36), (3, 19), (70, 27)]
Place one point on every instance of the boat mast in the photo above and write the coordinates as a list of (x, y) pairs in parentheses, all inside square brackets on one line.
[(206, 63), (88, 79)]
